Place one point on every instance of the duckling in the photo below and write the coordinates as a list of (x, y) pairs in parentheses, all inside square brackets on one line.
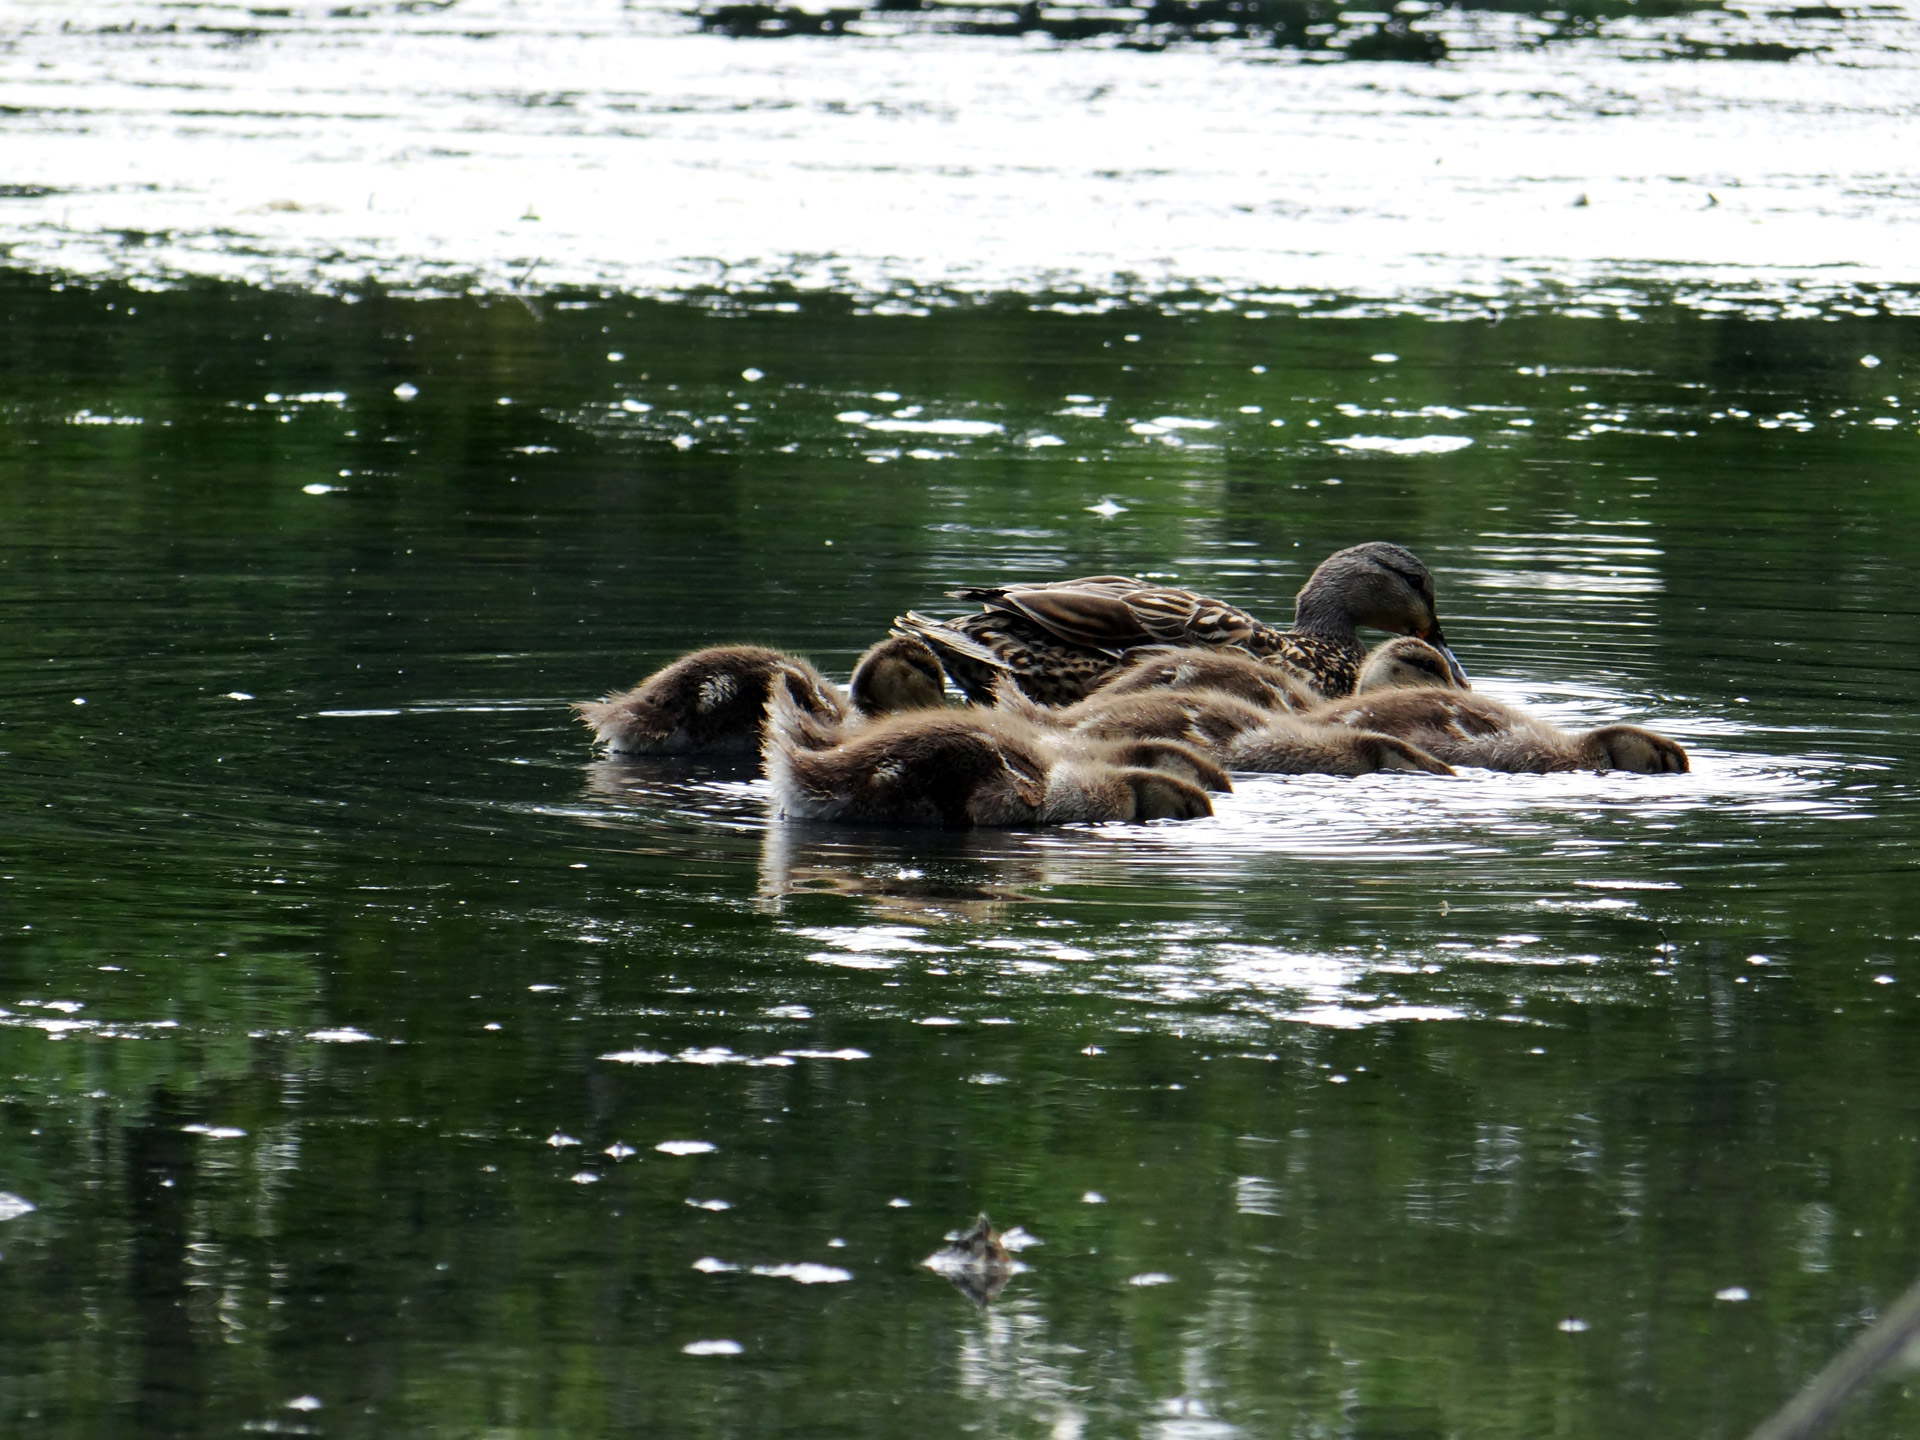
[(1152, 742), (714, 701), (1296, 745), (1191, 667), (977, 1261), (900, 673), (1241, 736), (1060, 639), (1204, 719), (957, 768), (1468, 729), (1408, 663)]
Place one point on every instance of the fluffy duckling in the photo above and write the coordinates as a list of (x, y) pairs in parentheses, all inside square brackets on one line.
[(1061, 639), (1204, 719), (958, 768), (710, 702), (714, 701), (1468, 729), (1239, 735), (1408, 663), (900, 673), (1236, 672), (1152, 741), (1296, 745)]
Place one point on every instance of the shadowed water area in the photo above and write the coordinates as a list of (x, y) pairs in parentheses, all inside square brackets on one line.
[(377, 1060)]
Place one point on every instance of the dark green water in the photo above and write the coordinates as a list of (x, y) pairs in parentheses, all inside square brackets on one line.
[(1445, 1107)]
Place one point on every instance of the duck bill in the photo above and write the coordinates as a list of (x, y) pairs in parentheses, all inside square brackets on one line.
[(1434, 638)]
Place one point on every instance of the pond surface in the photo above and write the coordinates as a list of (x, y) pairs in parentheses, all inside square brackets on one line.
[(376, 1060), (346, 999)]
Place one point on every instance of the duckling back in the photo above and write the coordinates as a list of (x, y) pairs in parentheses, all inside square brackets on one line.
[(1300, 745), (1175, 732), (962, 768), (1080, 791), (1254, 682), (1205, 718), (1467, 729), (935, 768), (711, 701)]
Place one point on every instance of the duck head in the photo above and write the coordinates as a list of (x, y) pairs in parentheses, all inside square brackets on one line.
[(1380, 585)]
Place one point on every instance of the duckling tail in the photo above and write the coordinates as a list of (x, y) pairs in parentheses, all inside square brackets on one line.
[(1010, 699), (790, 741), (791, 726), (627, 723)]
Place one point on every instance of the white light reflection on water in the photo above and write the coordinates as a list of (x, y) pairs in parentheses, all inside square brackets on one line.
[(1477, 814), (429, 150), (1560, 853)]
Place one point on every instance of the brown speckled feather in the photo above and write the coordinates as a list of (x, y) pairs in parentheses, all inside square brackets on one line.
[(1052, 670), (1059, 639), (1059, 668), (1326, 665)]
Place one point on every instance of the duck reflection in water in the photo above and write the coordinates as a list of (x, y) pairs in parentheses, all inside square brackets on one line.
[(976, 1261), (923, 878)]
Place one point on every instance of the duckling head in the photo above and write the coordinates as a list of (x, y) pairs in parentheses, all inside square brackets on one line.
[(1410, 663), (900, 673)]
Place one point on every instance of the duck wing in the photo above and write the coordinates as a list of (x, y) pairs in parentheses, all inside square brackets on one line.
[(1118, 584), (1097, 614)]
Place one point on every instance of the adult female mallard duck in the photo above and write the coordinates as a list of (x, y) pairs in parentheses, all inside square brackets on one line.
[(1059, 639), (714, 701), (1403, 693), (959, 768)]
